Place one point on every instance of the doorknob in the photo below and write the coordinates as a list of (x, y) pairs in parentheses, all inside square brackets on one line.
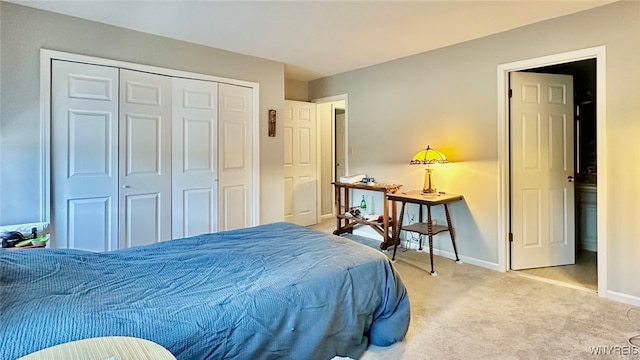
[(571, 178), (126, 186)]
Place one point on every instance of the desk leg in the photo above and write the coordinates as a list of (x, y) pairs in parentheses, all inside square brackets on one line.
[(338, 200), (385, 218), (430, 230), (420, 220), (347, 205), (388, 225), (394, 218), (453, 238), (396, 240)]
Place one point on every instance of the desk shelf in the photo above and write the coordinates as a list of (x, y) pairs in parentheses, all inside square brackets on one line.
[(423, 228), (360, 220)]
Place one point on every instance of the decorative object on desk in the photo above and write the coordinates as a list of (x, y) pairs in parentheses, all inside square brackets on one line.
[(352, 179), (354, 211), (272, 123), (428, 157)]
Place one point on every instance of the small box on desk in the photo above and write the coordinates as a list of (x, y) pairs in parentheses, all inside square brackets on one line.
[(352, 179)]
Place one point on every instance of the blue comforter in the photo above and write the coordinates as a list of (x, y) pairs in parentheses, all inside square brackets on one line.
[(276, 291)]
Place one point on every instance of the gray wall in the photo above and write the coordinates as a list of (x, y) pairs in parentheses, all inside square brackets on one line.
[(24, 31), (447, 98)]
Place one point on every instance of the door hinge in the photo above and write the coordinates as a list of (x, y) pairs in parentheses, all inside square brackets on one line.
[(510, 237), (510, 93)]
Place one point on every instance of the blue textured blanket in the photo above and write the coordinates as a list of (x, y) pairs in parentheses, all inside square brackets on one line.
[(276, 291)]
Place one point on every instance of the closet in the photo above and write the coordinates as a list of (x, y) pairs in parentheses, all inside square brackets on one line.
[(139, 157)]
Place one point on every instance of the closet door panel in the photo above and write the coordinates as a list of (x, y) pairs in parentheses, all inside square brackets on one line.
[(84, 162), (194, 157), (235, 156), (145, 158)]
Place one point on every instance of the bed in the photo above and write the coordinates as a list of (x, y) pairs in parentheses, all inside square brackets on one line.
[(275, 291)]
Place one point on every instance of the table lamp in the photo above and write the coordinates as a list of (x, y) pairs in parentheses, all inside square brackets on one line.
[(428, 157)]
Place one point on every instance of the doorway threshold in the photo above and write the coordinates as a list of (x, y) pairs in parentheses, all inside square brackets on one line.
[(554, 282)]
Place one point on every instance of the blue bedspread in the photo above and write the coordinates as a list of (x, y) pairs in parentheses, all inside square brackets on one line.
[(276, 291)]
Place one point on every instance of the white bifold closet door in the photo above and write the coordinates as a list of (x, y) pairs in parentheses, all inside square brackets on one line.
[(139, 158), (145, 158), (235, 155), (84, 156), (194, 161)]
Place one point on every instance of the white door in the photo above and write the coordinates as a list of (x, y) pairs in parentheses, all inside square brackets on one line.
[(300, 163), (145, 158), (194, 157), (235, 156), (84, 156), (542, 166)]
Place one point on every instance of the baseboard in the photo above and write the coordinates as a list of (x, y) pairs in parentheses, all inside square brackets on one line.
[(623, 298), (367, 232), (467, 260), (327, 217)]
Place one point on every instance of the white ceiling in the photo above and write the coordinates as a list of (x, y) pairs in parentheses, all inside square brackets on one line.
[(320, 38)]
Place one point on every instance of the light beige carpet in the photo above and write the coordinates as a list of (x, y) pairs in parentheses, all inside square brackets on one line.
[(468, 312)]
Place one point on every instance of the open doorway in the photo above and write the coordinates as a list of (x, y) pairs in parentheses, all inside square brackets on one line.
[(333, 124), (583, 273), (504, 71)]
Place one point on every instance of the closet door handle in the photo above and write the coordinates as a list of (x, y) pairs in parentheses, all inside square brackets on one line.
[(126, 186)]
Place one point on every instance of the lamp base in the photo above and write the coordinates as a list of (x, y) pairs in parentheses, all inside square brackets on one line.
[(426, 188)]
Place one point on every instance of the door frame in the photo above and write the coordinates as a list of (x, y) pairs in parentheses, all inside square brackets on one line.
[(46, 57), (345, 98), (504, 181)]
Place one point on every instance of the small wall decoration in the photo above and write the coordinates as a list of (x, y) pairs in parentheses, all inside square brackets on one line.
[(272, 123)]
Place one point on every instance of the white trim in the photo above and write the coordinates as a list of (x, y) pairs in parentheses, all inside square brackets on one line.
[(623, 298), (319, 119), (45, 137), (59, 55), (345, 98), (326, 217), (465, 259), (333, 154), (46, 56), (256, 152), (599, 53)]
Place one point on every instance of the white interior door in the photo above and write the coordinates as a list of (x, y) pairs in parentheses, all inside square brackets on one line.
[(542, 164), (84, 156), (194, 157), (235, 156), (145, 158), (300, 163)]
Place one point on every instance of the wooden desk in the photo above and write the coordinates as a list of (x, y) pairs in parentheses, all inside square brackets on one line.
[(346, 223), (424, 228)]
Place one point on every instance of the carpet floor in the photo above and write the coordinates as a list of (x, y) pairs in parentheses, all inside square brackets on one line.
[(468, 312)]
